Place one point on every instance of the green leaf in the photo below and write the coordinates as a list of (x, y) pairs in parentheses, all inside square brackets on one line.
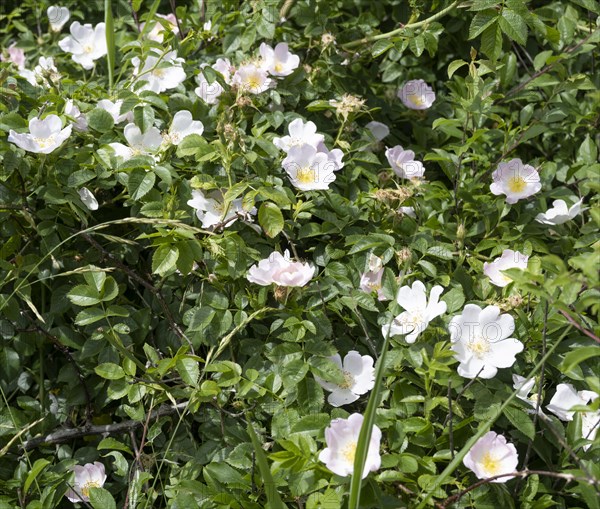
[(454, 299), (143, 116), (110, 371), (417, 45), (192, 145), (380, 47), (88, 316), (577, 356), (36, 470), (112, 443), (164, 259), (491, 41), (140, 183), (95, 278), (588, 151), (521, 421), (101, 499), (514, 26), (454, 66), (270, 218), (188, 370), (100, 120), (83, 295), (481, 21)]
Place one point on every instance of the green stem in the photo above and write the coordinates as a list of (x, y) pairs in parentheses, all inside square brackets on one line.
[(366, 429), (483, 429), (393, 33), (110, 41)]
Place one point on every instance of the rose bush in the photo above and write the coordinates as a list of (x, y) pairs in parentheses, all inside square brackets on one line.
[(206, 206)]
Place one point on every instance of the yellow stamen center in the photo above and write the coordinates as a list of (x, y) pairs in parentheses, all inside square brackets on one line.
[(44, 142), (85, 489), (306, 176), (490, 464), (278, 67), (516, 184), (348, 380), (416, 100), (159, 73), (349, 452), (88, 48), (253, 83), (479, 346)]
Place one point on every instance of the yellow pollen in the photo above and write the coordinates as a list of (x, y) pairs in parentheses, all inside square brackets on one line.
[(490, 464), (516, 184), (306, 176), (85, 489), (88, 48), (416, 100), (349, 452), (348, 380), (159, 73), (278, 67), (253, 83), (44, 142), (479, 347)]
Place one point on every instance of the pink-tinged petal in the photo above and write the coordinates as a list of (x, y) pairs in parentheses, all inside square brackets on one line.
[(341, 397)]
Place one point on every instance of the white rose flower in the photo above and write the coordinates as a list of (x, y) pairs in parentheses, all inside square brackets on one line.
[(408, 211), (279, 269), (416, 95), (308, 169), (516, 180), (251, 78), (559, 213), (158, 29), (342, 440), (57, 16), (114, 108), (378, 130), (183, 125), (509, 260), (140, 143), (88, 198), (159, 73), (524, 386), (370, 280), (42, 72), (403, 163), (14, 55), (44, 135), (481, 341), (300, 133), (72, 111), (492, 455), (90, 475), (565, 398), (359, 378), (212, 211), (334, 156), (278, 61), (418, 311), (86, 43)]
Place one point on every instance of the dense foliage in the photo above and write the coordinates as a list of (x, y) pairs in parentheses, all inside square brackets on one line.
[(132, 333)]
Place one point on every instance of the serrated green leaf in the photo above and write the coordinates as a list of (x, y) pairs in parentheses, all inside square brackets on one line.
[(83, 295), (100, 120), (481, 21), (270, 218), (514, 26), (188, 370), (101, 499), (491, 41), (140, 183), (164, 259)]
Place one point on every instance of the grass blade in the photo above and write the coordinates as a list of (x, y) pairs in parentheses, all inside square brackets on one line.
[(366, 429), (273, 497)]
